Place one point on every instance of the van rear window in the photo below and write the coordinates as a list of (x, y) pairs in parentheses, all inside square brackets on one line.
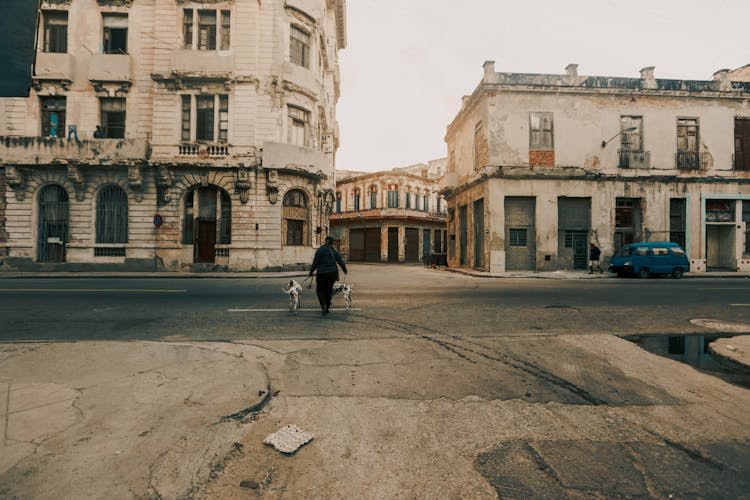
[(678, 251)]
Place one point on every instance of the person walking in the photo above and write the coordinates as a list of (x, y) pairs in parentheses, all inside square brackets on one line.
[(594, 254), (325, 261)]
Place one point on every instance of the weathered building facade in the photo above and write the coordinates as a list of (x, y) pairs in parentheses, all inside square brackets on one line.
[(390, 216), (216, 142), (540, 165)]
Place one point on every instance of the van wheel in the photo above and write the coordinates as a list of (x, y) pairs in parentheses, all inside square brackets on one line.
[(677, 273), (643, 273)]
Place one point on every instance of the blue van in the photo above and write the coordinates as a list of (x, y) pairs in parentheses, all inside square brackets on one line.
[(651, 257)]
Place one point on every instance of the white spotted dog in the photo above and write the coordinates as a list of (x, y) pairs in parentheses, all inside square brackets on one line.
[(293, 290), (345, 290)]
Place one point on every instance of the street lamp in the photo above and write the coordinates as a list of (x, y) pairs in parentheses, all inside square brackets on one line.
[(629, 129)]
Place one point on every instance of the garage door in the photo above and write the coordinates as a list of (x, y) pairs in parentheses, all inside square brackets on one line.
[(364, 245), (412, 244)]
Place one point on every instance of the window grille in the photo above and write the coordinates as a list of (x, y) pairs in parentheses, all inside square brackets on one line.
[(112, 215), (109, 252), (517, 237)]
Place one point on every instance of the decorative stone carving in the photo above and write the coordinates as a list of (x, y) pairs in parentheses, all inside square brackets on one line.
[(79, 182), (135, 181), (204, 177), (164, 181), (243, 183), (16, 181), (272, 186)]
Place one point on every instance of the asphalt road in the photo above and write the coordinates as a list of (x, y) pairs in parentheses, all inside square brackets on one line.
[(385, 298), (440, 385)]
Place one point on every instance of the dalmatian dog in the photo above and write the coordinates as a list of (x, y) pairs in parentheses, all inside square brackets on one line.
[(345, 290), (294, 290)]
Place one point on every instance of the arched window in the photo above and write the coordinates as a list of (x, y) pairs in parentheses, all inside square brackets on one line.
[(112, 215), (295, 219)]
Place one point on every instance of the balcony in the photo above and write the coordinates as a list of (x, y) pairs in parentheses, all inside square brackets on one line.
[(689, 160), (634, 159), (449, 180), (202, 62), (204, 150), (54, 66), (110, 68), (388, 213), (278, 156), (44, 150)]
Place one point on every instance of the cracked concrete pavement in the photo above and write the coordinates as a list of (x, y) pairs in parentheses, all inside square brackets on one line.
[(177, 420), (119, 419)]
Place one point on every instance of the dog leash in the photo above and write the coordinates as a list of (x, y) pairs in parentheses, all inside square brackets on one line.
[(309, 284)]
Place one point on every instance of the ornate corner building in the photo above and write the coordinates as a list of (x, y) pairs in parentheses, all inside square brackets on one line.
[(174, 133), (540, 165), (391, 216)]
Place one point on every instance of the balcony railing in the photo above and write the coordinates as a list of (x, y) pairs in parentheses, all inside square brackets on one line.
[(634, 159), (204, 150), (688, 160)]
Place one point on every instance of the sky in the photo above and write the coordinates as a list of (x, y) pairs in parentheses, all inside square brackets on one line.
[(408, 62)]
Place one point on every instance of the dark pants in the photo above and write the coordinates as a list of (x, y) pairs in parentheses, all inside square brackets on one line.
[(324, 288)]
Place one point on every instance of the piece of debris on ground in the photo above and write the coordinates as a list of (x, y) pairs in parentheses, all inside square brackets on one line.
[(288, 439)]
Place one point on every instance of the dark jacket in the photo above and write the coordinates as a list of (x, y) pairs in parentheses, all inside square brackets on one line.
[(594, 253), (325, 260)]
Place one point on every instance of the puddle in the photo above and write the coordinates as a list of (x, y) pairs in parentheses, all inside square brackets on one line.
[(693, 350)]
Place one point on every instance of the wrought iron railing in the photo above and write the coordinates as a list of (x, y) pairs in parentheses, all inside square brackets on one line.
[(688, 160)]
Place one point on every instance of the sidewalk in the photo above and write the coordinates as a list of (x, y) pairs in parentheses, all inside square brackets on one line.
[(570, 275), (121, 417)]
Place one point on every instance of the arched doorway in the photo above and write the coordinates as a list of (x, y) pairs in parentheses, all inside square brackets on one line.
[(52, 230), (207, 221)]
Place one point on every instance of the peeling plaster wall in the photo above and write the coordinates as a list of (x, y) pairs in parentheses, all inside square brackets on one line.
[(582, 122)]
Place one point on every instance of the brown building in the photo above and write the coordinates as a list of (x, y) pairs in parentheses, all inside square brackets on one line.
[(391, 216)]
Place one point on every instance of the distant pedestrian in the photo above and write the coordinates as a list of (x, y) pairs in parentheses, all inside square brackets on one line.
[(325, 261), (594, 254), (99, 132)]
